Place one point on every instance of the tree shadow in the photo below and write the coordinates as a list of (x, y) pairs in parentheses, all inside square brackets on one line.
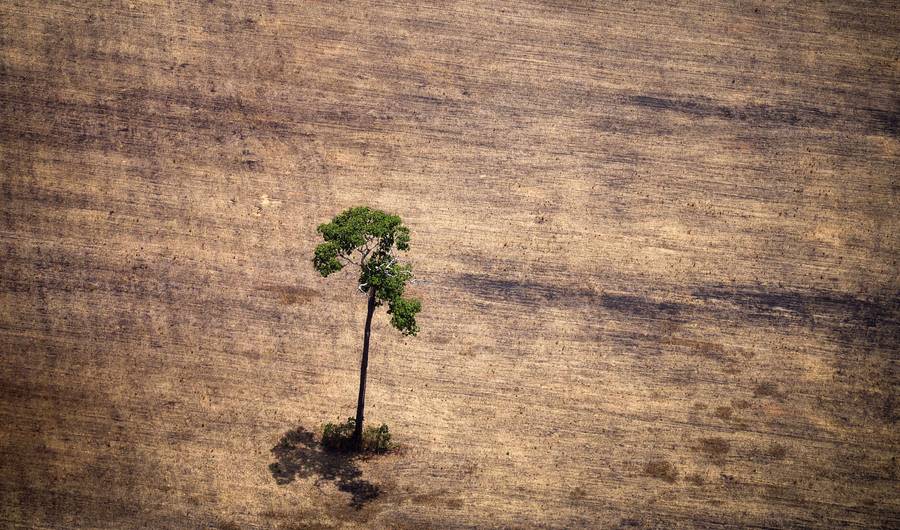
[(298, 454)]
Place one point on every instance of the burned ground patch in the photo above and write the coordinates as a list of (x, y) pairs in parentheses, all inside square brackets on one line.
[(870, 120), (850, 322), (885, 121), (642, 307), (530, 293), (526, 293), (833, 308), (759, 115)]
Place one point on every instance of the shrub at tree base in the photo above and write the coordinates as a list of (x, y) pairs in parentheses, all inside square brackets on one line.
[(339, 437)]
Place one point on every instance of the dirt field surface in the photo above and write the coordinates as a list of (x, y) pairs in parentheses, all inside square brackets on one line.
[(657, 244)]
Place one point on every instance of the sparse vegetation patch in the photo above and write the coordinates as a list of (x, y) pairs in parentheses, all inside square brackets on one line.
[(767, 389), (338, 437), (715, 447), (662, 470), (695, 479), (723, 413), (740, 403), (777, 451)]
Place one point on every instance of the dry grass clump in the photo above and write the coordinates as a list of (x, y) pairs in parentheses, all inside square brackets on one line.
[(777, 451), (661, 469), (696, 479), (767, 389), (740, 403), (723, 413), (715, 447)]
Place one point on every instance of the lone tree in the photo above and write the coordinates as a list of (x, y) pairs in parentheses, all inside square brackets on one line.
[(367, 239)]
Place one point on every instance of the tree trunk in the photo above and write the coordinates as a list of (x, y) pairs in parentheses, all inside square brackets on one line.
[(364, 364)]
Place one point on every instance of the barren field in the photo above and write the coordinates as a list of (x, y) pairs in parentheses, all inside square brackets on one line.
[(657, 245)]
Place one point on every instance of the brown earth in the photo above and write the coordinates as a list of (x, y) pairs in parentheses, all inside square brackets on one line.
[(657, 242)]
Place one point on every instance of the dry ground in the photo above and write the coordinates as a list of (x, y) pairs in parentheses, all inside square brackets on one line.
[(658, 240)]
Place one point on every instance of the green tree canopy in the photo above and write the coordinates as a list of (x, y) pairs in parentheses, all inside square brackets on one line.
[(369, 239)]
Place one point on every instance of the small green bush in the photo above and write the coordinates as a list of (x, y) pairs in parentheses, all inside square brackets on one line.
[(339, 437), (377, 439)]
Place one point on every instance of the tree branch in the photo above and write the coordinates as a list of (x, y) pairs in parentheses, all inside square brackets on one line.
[(347, 259), (365, 254)]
